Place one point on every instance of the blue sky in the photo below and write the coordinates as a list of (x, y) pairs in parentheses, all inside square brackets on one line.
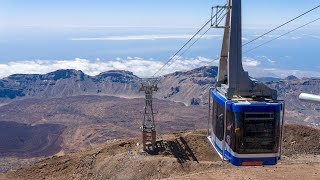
[(162, 13), (38, 36)]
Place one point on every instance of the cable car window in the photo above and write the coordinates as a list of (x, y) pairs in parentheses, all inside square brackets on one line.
[(220, 122), (230, 139), (214, 119), (258, 133)]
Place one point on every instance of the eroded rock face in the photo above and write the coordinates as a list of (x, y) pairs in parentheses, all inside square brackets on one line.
[(205, 71), (118, 76), (10, 93), (190, 87), (64, 83)]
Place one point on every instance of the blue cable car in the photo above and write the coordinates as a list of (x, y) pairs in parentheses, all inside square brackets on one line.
[(248, 130), (245, 118)]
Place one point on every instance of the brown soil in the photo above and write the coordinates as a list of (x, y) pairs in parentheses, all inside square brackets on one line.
[(301, 140), (185, 155), (21, 140)]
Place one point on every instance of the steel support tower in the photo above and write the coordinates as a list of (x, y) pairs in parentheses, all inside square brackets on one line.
[(148, 86)]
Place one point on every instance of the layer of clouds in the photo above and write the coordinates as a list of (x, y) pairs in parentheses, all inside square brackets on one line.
[(250, 62), (143, 37), (140, 67)]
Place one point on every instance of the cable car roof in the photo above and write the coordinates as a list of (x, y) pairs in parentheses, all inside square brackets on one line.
[(240, 104)]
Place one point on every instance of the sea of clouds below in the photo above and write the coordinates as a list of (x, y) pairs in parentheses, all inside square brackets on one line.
[(139, 66)]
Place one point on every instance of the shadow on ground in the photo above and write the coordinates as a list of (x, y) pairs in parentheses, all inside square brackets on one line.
[(178, 148)]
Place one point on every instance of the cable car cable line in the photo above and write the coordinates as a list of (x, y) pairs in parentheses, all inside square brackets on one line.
[(181, 48), (304, 25), (208, 22), (220, 19), (281, 35), (173, 61), (273, 39), (282, 25)]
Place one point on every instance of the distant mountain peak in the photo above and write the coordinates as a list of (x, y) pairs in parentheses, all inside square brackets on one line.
[(117, 76), (69, 71), (204, 71), (55, 75), (65, 74), (116, 72), (290, 78)]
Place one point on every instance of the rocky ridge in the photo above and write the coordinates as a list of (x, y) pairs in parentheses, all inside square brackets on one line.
[(189, 87)]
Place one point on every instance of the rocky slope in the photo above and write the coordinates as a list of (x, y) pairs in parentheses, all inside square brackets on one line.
[(189, 87), (122, 159)]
